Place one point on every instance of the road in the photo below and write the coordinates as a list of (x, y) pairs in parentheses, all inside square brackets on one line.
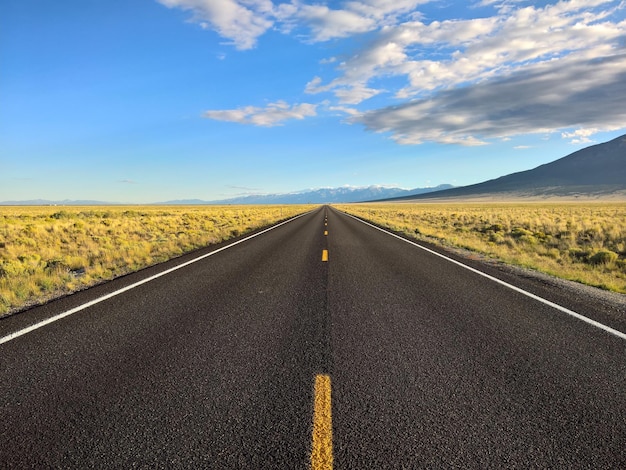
[(231, 360)]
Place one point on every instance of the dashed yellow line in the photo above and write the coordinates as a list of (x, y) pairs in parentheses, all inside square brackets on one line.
[(324, 255), (322, 451), (325, 232)]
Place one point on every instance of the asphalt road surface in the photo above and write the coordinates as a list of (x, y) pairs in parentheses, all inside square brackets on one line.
[(217, 364)]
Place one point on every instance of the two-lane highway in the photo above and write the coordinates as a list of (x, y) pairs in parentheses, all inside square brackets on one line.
[(239, 360)]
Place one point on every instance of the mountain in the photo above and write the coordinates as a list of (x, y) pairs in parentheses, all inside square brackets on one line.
[(311, 196), (318, 196), (598, 170)]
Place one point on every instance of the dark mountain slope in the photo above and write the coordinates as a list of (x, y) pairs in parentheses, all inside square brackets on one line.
[(595, 170)]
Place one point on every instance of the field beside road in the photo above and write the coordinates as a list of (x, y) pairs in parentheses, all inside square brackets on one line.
[(49, 251), (584, 242)]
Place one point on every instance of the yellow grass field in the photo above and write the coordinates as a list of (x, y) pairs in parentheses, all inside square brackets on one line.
[(49, 251), (584, 242)]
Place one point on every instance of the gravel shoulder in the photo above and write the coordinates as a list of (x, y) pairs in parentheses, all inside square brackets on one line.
[(612, 301)]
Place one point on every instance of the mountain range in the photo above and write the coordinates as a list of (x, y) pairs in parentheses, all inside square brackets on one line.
[(319, 196), (595, 171), (310, 196)]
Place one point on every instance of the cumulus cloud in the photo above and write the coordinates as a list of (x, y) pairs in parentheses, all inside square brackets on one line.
[(325, 23), (240, 21), (346, 110), (558, 67), (580, 136), (583, 94), (274, 114), (445, 54), (244, 21)]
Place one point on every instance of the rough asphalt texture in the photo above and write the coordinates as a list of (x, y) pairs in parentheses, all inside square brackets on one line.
[(212, 366)]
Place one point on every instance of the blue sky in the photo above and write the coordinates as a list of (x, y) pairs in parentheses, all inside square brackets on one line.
[(143, 100)]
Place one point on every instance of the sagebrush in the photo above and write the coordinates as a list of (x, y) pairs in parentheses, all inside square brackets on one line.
[(584, 242), (49, 251)]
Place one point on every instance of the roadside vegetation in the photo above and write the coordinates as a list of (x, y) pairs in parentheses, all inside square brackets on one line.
[(584, 242), (46, 252)]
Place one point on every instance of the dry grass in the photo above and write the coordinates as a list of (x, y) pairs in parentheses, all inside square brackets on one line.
[(581, 242), (49, 251)]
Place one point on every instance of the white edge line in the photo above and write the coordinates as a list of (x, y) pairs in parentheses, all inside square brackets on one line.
[(67, 313), (608, 329)]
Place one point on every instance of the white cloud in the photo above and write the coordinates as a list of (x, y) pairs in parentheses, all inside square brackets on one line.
[(351, 87), (274, 114), (344, 109), (347, 94), (355, 17), (573, 93), (384, 9), (244, 21), (445, 54), (240, 21), (525, 69), (355, 94), (580, 136), (314, 86), (327, 24)]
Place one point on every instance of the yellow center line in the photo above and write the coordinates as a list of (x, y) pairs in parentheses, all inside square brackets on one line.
[(322, 451), (324, 255), (325, 232)]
